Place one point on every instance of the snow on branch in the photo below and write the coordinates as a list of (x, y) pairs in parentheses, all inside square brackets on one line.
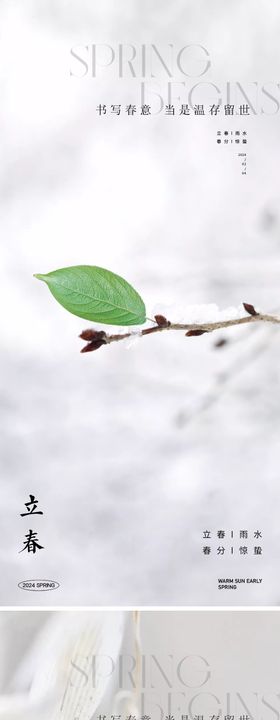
[(96, 338)]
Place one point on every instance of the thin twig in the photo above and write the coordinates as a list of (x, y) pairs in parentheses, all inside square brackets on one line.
[(97, 338), (220, 385)]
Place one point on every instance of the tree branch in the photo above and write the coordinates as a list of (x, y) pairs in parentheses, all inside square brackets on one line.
[(96, 338)]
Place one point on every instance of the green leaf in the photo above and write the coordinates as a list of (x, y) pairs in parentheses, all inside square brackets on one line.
[(96, 294)]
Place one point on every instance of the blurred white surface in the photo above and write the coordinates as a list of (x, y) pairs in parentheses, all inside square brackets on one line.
[(45, 673), (190, 663), (133, 452)]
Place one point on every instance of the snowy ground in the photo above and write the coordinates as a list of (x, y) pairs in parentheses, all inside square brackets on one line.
[(134, 451)]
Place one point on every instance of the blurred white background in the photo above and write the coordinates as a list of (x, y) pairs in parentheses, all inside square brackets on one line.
[(133, 452), (79, 665)]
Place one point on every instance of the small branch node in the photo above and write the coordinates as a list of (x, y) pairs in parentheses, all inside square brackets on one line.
[(250, 309)]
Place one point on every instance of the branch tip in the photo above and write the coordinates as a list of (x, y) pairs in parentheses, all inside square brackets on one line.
[(94, 345), (92, 334)]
